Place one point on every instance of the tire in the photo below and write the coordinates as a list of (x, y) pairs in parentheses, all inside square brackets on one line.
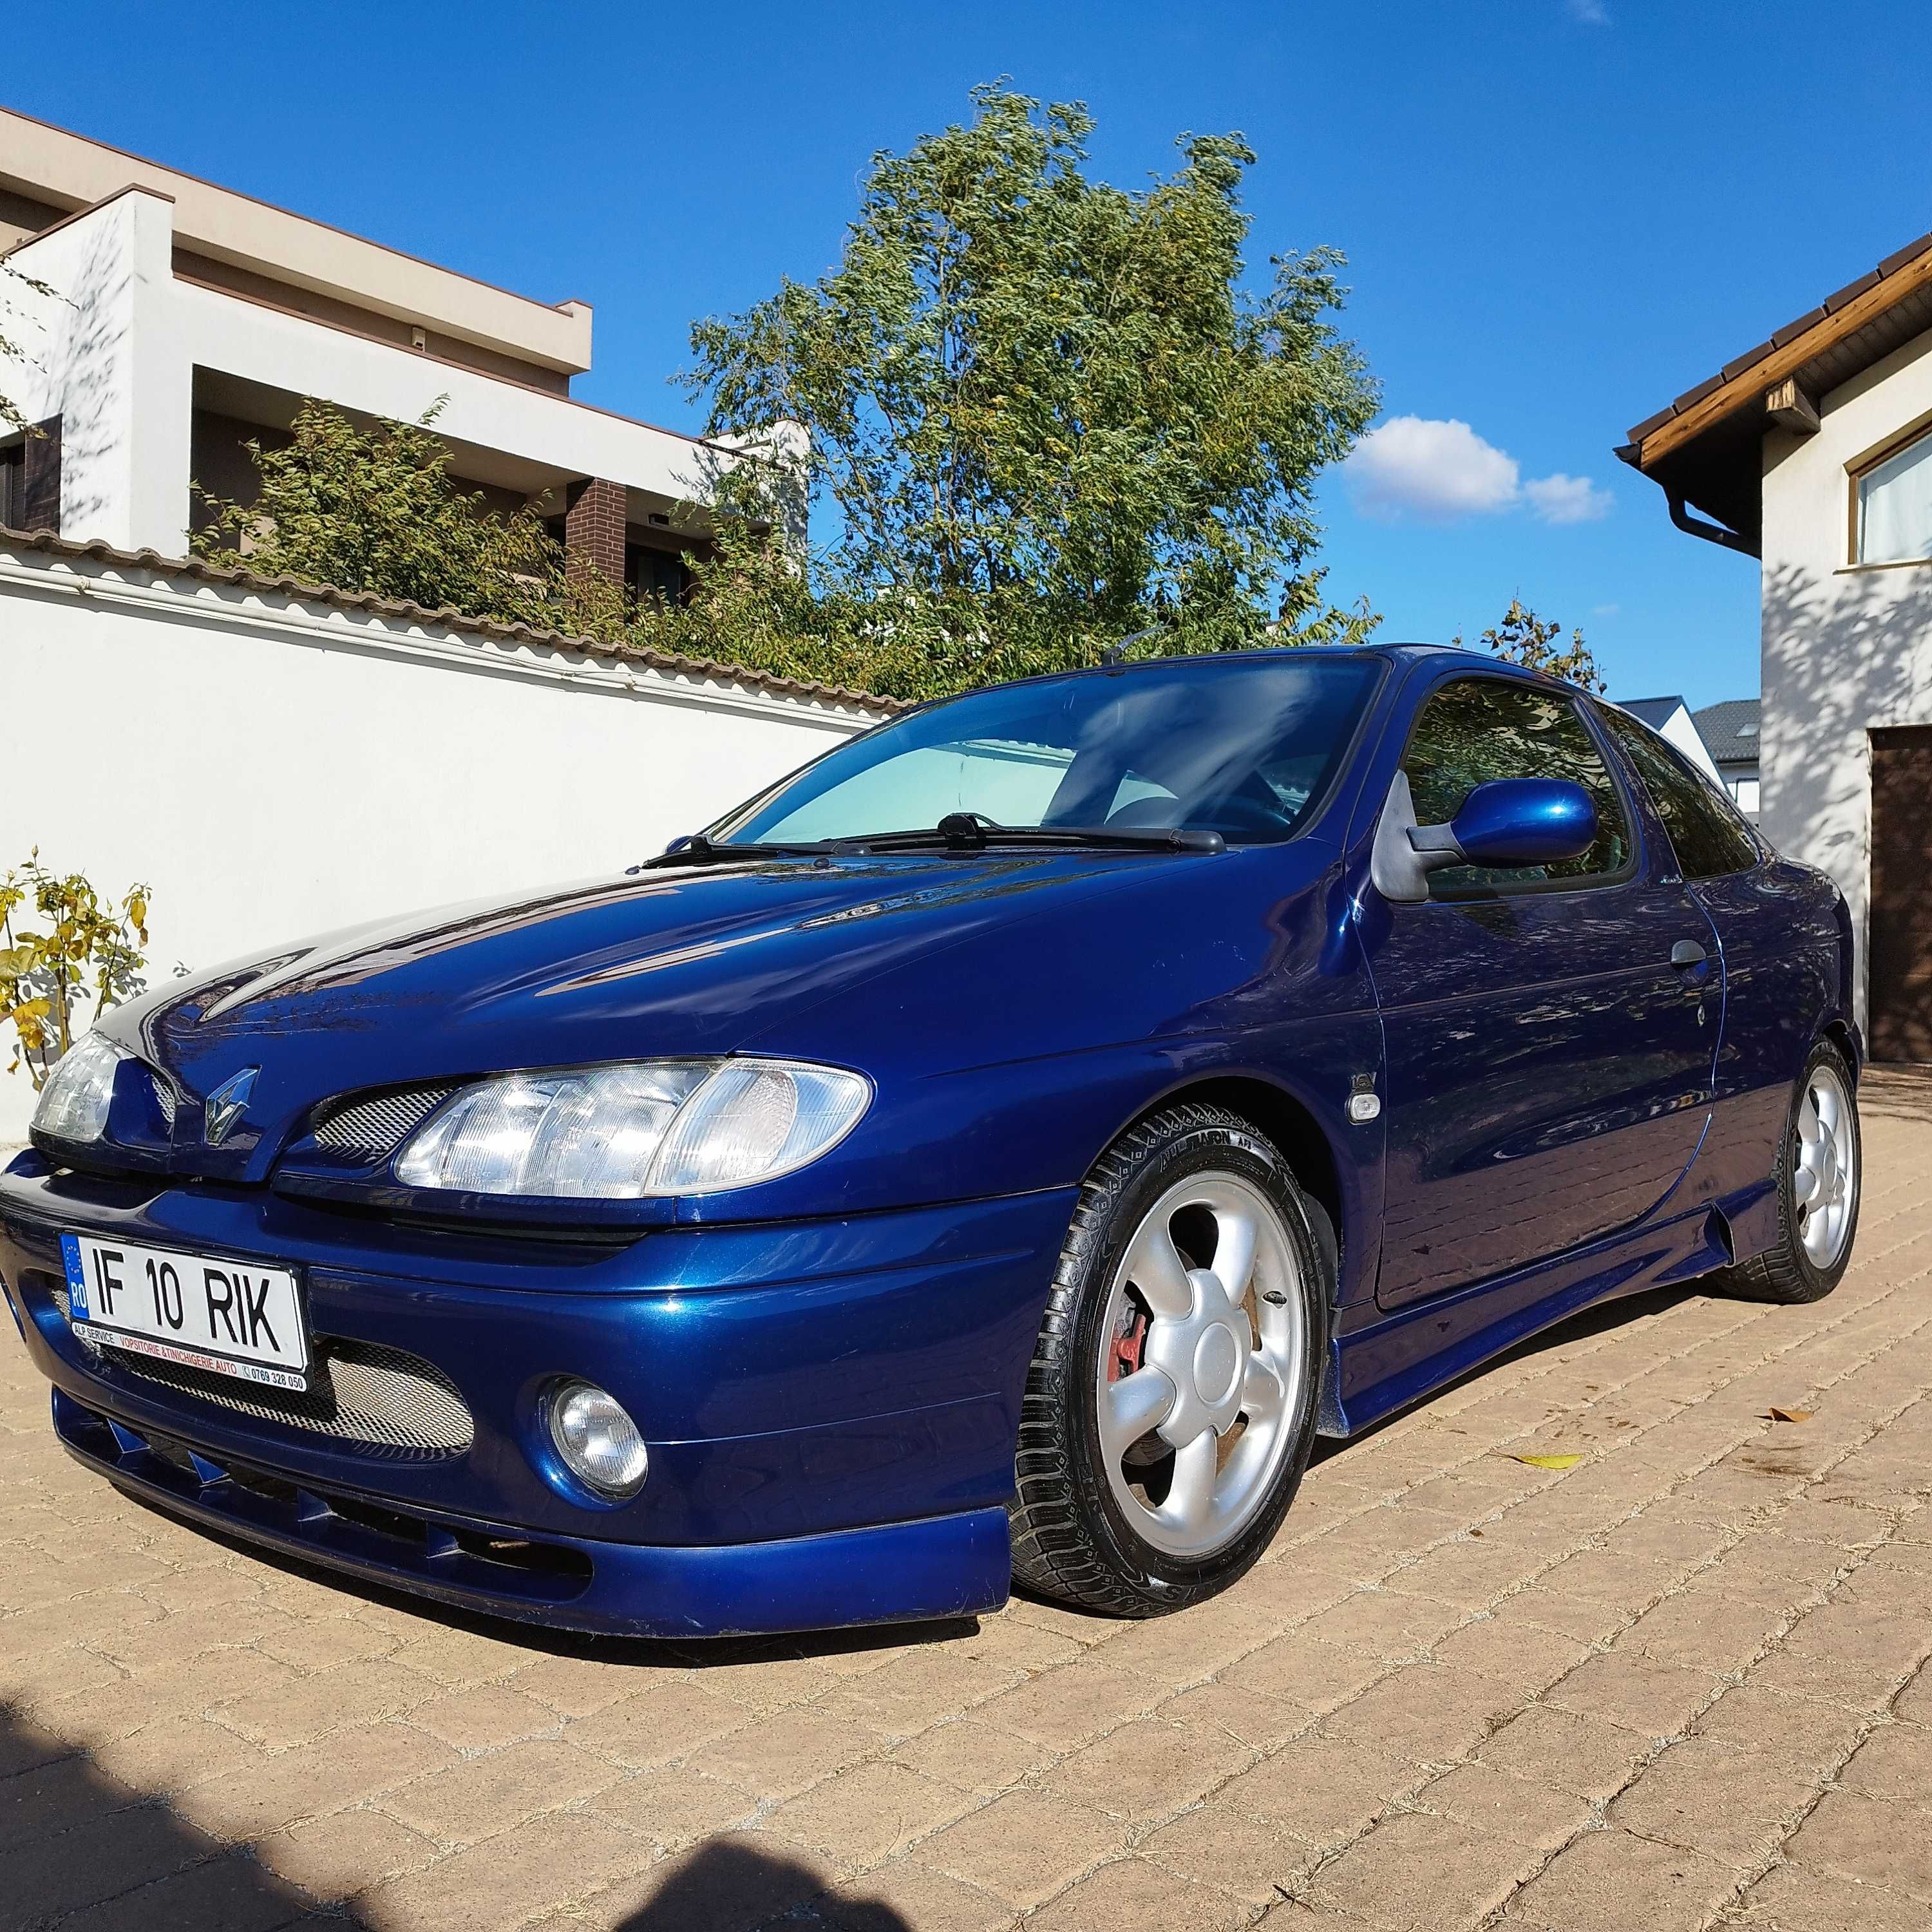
[(1134, 1525), (1810, 1255)]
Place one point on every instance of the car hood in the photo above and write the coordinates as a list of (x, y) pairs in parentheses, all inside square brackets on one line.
[(671, 962)]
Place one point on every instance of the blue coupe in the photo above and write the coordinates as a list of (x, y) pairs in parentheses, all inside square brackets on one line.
[(995, 1151)]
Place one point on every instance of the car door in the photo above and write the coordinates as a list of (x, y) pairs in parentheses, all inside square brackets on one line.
[(1779, 940), (1548, 1066)]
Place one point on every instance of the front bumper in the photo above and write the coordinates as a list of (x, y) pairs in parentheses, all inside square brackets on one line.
[(830, 1406)]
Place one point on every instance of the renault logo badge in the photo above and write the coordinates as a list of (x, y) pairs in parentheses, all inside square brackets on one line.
[(227, 1105)]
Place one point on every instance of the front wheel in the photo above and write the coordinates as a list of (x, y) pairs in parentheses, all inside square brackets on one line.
[(1821, 1165), (1170, 1406)]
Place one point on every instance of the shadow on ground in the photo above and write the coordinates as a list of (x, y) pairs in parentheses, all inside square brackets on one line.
[(72, 1838)]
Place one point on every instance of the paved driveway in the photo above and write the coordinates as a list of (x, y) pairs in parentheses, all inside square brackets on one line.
[(1677, 1684)]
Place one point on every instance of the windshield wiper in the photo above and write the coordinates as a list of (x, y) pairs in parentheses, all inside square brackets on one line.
[(701, 851), (968, 831)]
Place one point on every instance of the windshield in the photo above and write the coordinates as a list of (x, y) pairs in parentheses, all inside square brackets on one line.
[(1240, 746)]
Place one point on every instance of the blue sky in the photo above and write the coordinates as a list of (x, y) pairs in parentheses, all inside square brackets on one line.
[(1558, 213)]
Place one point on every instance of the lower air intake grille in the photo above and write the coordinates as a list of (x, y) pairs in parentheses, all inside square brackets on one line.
[(373, 1129), (384, 1400)]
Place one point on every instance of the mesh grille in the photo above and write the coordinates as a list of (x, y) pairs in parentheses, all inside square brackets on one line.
[(381, 1399), (371, 1130), (164, 1098)]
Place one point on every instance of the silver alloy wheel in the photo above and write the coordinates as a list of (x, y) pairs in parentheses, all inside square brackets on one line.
[(1824, 1177), (1204, 1367)]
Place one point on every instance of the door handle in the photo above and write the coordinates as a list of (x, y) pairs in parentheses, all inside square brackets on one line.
[(1687, 952)]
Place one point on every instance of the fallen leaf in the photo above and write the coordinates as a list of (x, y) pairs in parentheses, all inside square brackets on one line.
[(1545, 1461), (1475, 1532), (1777, 1414)]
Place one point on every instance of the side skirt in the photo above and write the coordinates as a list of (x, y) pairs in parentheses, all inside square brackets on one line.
[(1382, 1367)]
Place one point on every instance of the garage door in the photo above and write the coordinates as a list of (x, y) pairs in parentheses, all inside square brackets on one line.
[(1900, 944)]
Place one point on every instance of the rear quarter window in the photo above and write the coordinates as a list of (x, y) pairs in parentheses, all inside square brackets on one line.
[(1710, 838)]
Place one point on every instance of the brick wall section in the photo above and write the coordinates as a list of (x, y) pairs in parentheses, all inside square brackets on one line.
[(593, 530)]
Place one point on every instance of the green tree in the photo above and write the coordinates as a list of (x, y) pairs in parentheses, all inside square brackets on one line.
[(376, 509), (1044, 412), (1522, 637)]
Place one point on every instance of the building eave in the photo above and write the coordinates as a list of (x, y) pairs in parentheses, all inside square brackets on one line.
[(1705, 449)]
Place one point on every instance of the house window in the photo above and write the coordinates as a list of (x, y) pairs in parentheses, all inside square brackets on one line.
[(1894, 506), (13, 486)]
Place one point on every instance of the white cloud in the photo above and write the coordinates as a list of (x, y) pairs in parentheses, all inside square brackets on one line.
[(1605, 610), (1436, 470), (1567, 499), (1588, 12), (1439, 471)]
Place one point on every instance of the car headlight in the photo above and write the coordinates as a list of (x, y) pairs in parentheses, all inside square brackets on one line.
[(646, 1127), (74, 1103)]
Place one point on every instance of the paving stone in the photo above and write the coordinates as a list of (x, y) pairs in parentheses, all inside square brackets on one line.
[(1883, 1844), (1324, 1788), (1137, 1891), (1147, 1768), (482, 1796), (1023, 1847), (1416, 1871), (1738, 1805), (1575, 1753), (907, 1894), (1610, 1881), (670, 1808), (864, 1816), (1794, 1898), (1431, 1714), (336, 1857), (1626, 1687), (1224, 1845), (1064, 1709)]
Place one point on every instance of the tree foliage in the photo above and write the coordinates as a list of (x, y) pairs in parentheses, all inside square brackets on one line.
[(1044, 412), (1524, 638), (1041, 414), (80, 947), (375, 509)]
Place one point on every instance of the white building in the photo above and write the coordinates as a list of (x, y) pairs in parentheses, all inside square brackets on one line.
[(1670, 717), (1812, 451), (186, 318)]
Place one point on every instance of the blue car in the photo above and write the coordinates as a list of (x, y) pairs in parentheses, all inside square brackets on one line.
[(996, 1151)]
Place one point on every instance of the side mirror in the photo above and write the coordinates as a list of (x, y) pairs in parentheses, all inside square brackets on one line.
[(1524, 822), (1507, 822)]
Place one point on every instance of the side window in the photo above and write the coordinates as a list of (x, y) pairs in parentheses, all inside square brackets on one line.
[(1481, 728), (1707, 836)]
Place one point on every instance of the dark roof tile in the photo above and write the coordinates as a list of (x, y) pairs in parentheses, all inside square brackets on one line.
[(1792, 330), (1909, 253), (1833, 303), (1638, 431), (1697, 395), (1739, 363)]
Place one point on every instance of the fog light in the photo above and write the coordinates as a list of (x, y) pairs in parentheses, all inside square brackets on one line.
[(596, 1437)]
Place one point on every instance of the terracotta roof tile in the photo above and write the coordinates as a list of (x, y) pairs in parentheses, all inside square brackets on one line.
[(193, 568)]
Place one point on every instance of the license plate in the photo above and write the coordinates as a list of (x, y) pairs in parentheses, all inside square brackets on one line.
[(231, 1317)]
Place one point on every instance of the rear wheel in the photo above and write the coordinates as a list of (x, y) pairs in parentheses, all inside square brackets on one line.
[(1170, 1406), (1820, 1168)]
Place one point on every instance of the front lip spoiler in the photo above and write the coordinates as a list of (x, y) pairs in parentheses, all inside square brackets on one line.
[(937, 1568)]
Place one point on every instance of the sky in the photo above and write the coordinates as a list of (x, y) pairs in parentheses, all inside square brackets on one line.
[(1558, 213)]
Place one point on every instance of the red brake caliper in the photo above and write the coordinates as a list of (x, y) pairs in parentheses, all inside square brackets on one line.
[(1129, 1346)]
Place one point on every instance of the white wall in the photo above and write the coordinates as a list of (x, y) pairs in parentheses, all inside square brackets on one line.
[(114, 351), (1846, 647), (274, 768)]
